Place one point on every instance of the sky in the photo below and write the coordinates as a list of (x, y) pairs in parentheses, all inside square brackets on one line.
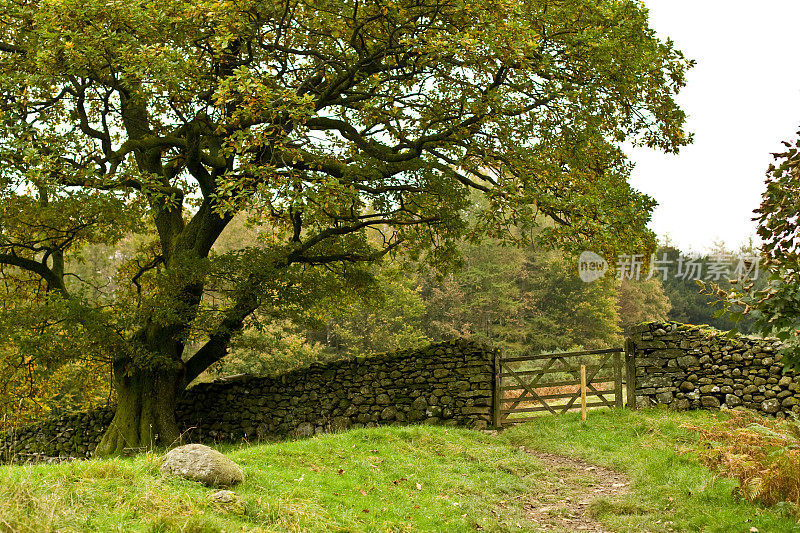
[(742, 99)]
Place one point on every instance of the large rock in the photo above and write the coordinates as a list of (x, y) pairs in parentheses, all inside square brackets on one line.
[(203, 464)]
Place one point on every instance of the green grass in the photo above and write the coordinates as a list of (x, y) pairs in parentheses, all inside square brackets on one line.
[(670, 490), (416, 478), (390, 479)]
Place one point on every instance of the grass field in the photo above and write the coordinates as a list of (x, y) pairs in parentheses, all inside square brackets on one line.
[(670, 490), (415, 478)]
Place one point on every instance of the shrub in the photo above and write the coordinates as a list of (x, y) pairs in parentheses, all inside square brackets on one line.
[(763, 454)]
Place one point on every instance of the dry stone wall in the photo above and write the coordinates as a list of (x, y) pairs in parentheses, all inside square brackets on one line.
[(71, 435), (682, 366), (697, 367), (449, 383)]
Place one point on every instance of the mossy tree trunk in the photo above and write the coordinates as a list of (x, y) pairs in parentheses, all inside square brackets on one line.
[(145, 411)]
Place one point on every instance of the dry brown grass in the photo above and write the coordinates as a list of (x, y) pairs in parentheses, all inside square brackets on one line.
[(763, 454), (547, 391)]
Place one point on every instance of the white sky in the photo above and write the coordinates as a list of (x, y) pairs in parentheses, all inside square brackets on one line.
[(742, 99)]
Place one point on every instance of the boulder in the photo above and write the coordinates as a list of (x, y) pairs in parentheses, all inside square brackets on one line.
[(201, 463)]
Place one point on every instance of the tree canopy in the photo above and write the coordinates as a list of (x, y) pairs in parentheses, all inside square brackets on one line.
[(349, 129)]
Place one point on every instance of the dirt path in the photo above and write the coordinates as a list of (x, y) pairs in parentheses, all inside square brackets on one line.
[(563, 502)]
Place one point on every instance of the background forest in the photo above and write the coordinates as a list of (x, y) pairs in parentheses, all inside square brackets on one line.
[(520, 299)]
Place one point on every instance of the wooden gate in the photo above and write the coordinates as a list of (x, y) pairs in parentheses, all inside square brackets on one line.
[(551, 382)]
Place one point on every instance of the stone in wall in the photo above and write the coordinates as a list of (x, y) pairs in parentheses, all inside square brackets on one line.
[(698, 367)]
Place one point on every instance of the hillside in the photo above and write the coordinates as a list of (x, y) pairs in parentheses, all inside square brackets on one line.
[(412, 478)]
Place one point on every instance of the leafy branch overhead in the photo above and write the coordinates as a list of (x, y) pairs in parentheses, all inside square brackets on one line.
[(346, 129), (776, 305)]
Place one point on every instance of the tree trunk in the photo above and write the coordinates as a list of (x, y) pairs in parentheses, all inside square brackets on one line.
[(145, 413)]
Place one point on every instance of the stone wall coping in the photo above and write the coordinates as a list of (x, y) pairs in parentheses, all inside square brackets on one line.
[(467, 345), (670, 327)]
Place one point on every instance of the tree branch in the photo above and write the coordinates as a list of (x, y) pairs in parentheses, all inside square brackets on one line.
[(53, 281), (13, 49), (217, 345)]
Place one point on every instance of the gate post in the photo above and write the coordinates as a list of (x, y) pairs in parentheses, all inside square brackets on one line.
[(497, 396), (630, 372), (618, 379)]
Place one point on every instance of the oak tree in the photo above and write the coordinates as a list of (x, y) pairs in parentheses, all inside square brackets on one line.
[(347, 128)]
